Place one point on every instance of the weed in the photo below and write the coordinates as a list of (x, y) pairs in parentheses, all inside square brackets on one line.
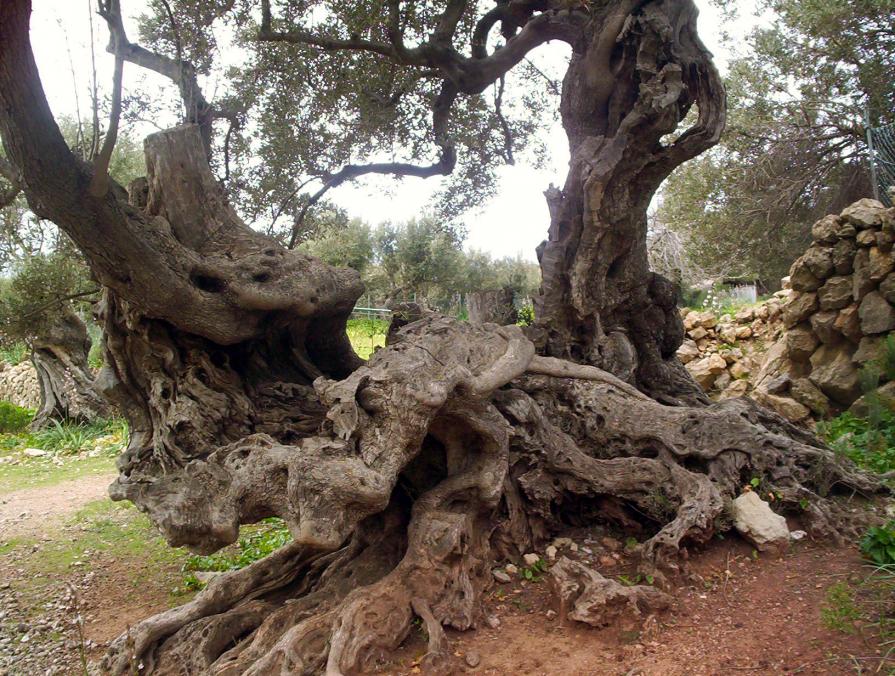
[(869, 442), (533, 572), (878, 544), (271, 535), (840, 611), (14, 418)]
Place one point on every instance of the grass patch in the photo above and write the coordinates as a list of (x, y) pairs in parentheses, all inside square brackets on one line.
[(366, 335), (865, 607), (870, 443), (256, 541), (14, 418), (14, 354)]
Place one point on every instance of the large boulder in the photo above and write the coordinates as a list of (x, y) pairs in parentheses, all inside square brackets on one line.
[(801, 342), (823, 324), (834, 373), (877, 316), (806, 393), (844, 256), (826, 230), (848, 323), (819, 261), (863, 214), (798, 308), (801, 278), (835, 293), (880, 263), (758, 523), (788, 407)]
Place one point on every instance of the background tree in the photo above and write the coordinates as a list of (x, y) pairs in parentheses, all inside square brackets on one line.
[(399, 477), (794, 149)]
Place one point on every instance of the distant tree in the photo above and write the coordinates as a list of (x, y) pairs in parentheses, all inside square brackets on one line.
[(794, 147)]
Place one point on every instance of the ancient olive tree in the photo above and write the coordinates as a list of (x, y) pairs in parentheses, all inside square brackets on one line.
[(403, 478)]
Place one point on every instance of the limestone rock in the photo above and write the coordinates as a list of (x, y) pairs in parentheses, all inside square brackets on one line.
[(698, 333), (848, 323), (824, 325), (834, 373), (843, 256), (863, 214), (861, 282), (688, 351), (869, 349), (866, 238), (819, 261), (881, 263), (788, 407), (884, 396), (877, 316), (738, 388), (885, 241), (758, 523), (835, 293), (801, 278), (799, 308), (743, 332), (845, 230), (826, 230), (801, 342), (806, 393), (887, 287), (706, 370), (739, 370)]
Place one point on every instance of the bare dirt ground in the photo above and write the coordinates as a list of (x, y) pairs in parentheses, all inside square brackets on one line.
[(739, 614), (33, 510)]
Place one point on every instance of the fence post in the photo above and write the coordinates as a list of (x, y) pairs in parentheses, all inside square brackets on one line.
[(873, 178)]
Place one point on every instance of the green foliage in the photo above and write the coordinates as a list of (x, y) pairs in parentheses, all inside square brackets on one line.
[(41, 286), (794, 147), (878, 544), (366, 335), (14, 353), (270, 535), (526, 314), (14, 418), (869, 443), (68, 437), (534, 572)]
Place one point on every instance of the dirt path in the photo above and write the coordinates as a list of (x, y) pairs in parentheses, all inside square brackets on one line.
[(31, 510)]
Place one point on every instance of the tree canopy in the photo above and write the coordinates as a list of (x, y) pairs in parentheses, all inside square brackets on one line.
[(794, 149)]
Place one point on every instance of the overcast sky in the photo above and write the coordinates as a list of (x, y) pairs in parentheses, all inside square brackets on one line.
[(514, 222)]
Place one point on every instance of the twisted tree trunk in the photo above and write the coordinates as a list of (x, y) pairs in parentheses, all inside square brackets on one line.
[(632, 80), (67, 389), (403, 478)]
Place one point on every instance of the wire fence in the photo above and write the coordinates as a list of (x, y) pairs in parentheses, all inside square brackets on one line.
[(881, 142)]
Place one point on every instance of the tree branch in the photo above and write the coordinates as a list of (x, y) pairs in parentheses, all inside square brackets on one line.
[(99, 184)]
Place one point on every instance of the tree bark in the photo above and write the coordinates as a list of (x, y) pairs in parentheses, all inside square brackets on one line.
[(492, 306), (633, 78), (67, 389)]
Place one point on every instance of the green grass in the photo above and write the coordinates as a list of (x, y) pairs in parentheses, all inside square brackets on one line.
[(869, 443), (256, 541), (366, 335), (14, 354), (14, 418)]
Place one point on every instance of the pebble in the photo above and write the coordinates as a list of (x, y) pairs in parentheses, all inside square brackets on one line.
[(492, 621), (500, 576), (472, 658), (511, 568), (551, 552), (531, 559)]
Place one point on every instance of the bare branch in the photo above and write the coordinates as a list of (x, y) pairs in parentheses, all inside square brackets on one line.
[(100, 182)]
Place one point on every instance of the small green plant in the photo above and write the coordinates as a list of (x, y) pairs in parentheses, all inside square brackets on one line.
[(526, 315), (533, 572), (272, 535), (878, 544), (840, 612), (14, 353), (869, 442), (631, 581), (14, 418)]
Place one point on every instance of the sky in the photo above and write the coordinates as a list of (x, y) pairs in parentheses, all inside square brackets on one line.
[(512, 223)]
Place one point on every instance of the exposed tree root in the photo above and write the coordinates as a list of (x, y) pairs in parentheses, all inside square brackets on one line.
[(449, 432)]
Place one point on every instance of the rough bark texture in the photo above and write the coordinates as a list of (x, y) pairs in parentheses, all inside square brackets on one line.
[(67, 391), (492, 306), (634, 76), (402, 478)]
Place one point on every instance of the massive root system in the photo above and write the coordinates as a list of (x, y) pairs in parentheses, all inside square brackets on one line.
[(453, 445)]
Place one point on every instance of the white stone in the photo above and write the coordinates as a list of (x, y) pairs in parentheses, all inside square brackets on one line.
[(34, 452), (531, 559), (757, 522), (511, 568), (551, 552)]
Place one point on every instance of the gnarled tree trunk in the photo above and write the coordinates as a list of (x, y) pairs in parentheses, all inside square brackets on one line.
[(67, 390), (633, 79), (402, 478)]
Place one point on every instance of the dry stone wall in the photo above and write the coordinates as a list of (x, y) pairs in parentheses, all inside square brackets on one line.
[(19, 385), (801, 352)]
